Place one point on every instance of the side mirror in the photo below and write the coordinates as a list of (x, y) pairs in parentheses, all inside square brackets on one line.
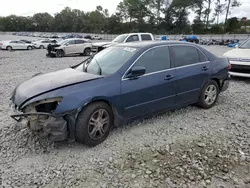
[(136, 72), (237, 46), (66, 44)]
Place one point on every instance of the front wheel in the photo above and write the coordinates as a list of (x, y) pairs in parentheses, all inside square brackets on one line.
[(30, 48), (41, 47), (94, 124), (60, 53), (209, 95)]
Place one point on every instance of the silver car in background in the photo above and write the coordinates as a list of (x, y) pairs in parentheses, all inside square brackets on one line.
[(15, 45)]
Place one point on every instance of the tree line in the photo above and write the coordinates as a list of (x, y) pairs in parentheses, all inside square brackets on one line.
[(156, 16)]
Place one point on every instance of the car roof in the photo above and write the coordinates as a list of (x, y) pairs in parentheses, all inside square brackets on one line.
[(145, 44), (150, 44)]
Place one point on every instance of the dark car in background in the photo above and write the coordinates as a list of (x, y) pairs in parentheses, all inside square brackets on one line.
[(118, 84)]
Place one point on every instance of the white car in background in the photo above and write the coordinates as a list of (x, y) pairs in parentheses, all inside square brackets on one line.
[(15, 45), (96, 37), (70, 47), (240, 60), (42, 44)]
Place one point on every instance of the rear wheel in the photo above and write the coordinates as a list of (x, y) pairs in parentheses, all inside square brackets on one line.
[(87, 52), (41, 47), (94, 124), (9, 48), (60, 53), (209, 94)]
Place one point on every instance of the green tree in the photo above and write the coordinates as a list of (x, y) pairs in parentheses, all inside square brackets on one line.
[(229, 5), (42, 21)]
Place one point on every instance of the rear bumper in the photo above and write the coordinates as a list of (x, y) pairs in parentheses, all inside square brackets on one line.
[(225, 84)]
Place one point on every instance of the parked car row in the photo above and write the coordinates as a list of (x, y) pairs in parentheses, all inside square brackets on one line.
[(54, 35), (25, 44), (228, 42)]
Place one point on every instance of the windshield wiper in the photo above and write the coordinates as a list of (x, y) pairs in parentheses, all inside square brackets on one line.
[(74, 66), (100, 69)]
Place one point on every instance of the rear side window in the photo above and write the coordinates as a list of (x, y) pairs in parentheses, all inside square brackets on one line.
[(79, 42), (13, 42), (185, 55), (146, 37), (45, 41), (133, 38), (156, 59), (203, 58)]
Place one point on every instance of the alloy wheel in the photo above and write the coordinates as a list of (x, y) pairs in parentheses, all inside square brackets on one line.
[(210, 94), (98, 124)]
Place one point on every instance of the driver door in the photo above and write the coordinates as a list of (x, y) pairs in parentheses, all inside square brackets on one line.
[(155, 90), (70, 47)]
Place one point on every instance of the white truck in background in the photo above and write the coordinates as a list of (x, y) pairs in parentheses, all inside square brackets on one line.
[(128, 37)]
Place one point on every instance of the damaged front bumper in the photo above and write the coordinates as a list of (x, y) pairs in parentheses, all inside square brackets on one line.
[(56, 128)]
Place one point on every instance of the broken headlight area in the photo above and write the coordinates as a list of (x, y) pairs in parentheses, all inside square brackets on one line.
[(40, 118)]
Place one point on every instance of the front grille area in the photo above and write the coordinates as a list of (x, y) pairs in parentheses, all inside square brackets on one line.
[(240, 69)]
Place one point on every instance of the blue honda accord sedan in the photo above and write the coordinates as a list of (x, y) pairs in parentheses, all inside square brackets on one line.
[(118, 84)]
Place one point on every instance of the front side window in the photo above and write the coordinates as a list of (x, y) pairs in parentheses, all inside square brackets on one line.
[(109, 60), (133, 38), (72, 42), (156, 59), (120, 38), (185, 55), (45, 41), (13, 42)]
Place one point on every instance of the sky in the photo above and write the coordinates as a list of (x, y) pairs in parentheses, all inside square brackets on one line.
[(30, 7)]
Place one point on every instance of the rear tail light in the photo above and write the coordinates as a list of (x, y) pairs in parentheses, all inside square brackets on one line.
[(229, 65)]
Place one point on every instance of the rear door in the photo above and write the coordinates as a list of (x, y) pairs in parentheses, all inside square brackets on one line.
[(79, 46), (193, 69), (153, 91)]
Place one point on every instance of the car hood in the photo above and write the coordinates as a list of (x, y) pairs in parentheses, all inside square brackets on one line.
[(103, 43), (43, 83), (238, 53)]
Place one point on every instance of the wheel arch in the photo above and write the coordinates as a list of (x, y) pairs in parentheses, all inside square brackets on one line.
[(118, 120)]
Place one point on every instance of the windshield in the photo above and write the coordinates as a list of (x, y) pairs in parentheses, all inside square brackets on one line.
[(120, 38), (108, 61), (245, 45)]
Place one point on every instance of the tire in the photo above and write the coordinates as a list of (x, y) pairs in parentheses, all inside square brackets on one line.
[(9, 48), (87, 52), (29, 48), (209, 95), (41, 47), (60, 53), (84, 127)]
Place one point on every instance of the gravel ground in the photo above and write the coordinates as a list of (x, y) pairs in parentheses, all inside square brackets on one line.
[(189, 147)]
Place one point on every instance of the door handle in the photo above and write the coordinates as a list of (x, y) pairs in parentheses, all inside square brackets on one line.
[(169, 77), (204, 68)]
